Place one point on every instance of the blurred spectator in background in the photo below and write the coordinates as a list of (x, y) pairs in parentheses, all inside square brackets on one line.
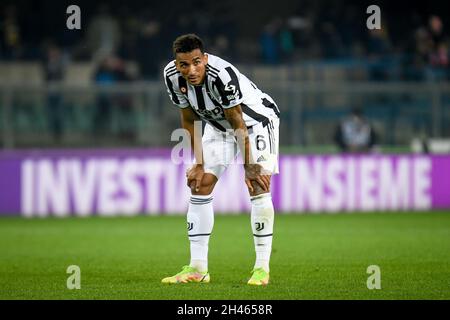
[(110, 71), (378, 50), (55, 64), (269, 42), (436, 32), (224, 29), (150, 53), (104, 33), (415, 59), (221, 46), (11, 40), (427, 55), (438, 54), (331, 41), (301, 26), (430, 57), (355, 134), (286, 42), (352, 36), (130, 27)]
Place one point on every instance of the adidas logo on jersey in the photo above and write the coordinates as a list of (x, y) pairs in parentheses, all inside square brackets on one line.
[(261, 158)]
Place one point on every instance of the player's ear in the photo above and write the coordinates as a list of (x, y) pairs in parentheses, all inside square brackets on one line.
[(177, 62), (205, 58)]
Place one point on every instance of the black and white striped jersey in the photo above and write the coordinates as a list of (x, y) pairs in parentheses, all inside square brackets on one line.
[(224, 87)]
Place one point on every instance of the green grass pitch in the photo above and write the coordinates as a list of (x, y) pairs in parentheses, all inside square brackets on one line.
[(315, 256)]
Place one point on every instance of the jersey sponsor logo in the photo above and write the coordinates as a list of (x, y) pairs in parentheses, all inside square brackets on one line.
[(216, 113)]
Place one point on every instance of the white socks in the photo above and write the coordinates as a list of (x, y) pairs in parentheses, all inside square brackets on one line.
[(200, 221), (262, 217)]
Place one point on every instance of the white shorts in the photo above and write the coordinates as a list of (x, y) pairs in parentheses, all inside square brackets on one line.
[(220, 149)]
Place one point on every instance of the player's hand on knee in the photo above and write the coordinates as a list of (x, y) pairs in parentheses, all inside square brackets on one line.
[(194, 177), (255, 172)]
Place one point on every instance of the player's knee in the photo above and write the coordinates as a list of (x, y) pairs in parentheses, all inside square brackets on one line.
[(206, 185), (258, 192), (257, 189)]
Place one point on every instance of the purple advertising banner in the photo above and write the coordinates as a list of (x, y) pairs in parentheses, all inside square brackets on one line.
[(130, 182)]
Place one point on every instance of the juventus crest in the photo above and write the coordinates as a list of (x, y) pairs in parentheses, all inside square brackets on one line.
[(259, 226)]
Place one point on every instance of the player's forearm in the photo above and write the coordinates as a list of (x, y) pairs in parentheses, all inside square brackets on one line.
[(196, 142), (243, 142), (234, 117), (189, 122)]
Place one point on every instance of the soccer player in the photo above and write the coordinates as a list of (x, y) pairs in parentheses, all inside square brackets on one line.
[(240, 119)]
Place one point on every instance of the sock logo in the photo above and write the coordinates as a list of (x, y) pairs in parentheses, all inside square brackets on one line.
[(190, 226), (259, 226)]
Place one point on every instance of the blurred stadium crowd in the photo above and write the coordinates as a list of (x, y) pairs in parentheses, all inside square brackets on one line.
[(413, 43), (109, 73)]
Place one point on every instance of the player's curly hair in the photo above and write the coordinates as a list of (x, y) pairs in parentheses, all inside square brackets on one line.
[(187, 43)]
